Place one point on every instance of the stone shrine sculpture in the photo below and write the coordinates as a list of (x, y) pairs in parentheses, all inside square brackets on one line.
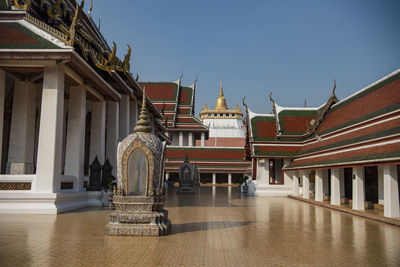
[(139, 196), (95, 176), (188, 177)]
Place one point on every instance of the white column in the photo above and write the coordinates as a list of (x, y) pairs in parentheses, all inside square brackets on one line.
[(133, 114), (180, 138), (229, 178), (124, 112), (319, 185), (190, 139), (22, 134), (381, 196), (341, 179), (391, 191), (335, 187), (75, 147), (203, 138), (97, 132), (358, 188), (112, 134), (2, 95), (295, 184), (50, 131), (306, 184), (214, 178), (166, 176)]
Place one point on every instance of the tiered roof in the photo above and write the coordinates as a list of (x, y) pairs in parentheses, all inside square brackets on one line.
[(176, 102), (362, 128)]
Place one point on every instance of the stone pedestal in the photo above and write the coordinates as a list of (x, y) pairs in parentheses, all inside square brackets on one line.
[(138, 215)]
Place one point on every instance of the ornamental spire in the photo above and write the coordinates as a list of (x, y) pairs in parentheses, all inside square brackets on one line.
[(221, 102), (143, 125)]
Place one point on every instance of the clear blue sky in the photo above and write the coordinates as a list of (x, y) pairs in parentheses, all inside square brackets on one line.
[(293, 48)]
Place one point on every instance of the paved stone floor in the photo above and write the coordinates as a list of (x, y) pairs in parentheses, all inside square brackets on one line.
[(214, 227)]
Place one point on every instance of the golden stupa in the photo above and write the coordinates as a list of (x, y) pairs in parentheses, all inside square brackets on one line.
[(221, 110), (221, 102)]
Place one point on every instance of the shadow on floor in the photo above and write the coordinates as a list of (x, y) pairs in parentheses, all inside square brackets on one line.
[(201, 226)]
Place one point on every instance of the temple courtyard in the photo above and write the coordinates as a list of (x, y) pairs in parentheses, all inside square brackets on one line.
[(215, 227)]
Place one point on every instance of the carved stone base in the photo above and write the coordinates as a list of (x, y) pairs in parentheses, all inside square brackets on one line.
[(156, 223), (138, 215)]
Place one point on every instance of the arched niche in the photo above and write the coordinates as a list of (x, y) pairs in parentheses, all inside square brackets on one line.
[(138, 172)]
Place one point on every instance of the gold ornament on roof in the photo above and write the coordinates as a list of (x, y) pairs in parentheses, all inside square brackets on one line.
[(221, 102), (17, 5)]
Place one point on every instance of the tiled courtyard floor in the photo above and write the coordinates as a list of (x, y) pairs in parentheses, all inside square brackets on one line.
[(214, 227)]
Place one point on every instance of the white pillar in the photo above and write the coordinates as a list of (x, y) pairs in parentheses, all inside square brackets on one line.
[(75, 147), (214, 178), (124, 112), (190, 139), (112, 134), (295, 184), (381, 196), (97, 132), (180, 138), (319, 185), (229, 178), (133, 114), (358, 188), (203, 138), (2, 95), (306, 184), (166, 176), (50, 132), (22, 134), (391, 191), (335, 187)]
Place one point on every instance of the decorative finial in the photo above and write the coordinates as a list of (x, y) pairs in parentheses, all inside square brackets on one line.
[(71, 40), (186, 158), (91, 6), (99, 24), (143, 125), (221, 93), (244, 104), (127, 58), (181, 76), (334, 86), (137, 77), (270, 98)]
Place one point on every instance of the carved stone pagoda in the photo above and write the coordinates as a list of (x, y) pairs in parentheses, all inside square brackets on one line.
[(189, 178), (139, 196)]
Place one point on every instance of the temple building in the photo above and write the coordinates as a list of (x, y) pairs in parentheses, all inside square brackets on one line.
[(215, 144), (65, 99), (347, 151)]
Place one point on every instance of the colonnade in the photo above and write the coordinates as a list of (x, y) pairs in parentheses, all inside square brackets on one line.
[(387, 178), (51, 146)]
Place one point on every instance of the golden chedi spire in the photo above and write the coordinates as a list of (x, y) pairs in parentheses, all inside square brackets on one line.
[(221, 102), (143, 125)]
